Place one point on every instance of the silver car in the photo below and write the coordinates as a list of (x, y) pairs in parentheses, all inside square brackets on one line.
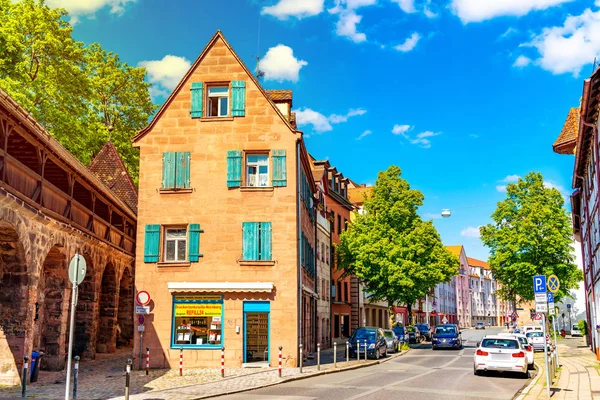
[(391, 340)]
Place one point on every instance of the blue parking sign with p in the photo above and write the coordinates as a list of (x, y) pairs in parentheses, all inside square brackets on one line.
[(550, 297), (539, 284)]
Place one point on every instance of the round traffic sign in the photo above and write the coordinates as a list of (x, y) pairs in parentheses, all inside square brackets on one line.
[(553, 283), (77, 269), (141, 319), (142, 298)]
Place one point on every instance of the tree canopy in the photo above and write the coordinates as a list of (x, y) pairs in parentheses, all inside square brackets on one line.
[(398, 256), (83, 96), (531, 235)]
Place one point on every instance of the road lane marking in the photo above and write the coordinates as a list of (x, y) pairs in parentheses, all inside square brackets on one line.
[(484, 395)]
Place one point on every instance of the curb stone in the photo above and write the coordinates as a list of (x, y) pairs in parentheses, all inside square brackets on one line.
[(309, 375), (539, 371)]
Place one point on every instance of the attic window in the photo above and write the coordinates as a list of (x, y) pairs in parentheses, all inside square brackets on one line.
[(218, 101)]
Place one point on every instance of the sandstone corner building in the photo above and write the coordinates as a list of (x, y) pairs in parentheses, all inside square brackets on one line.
[(227, 221)]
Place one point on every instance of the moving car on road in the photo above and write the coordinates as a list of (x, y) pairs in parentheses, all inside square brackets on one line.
[(480, 325), (525, 344), (375, 340), (425, 330), (447, 336), (500, 353), (575, 331), (392, 341), (537, 340), (414, 335)]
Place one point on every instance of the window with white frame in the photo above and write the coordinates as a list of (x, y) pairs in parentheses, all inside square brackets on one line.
[(257, 170), (175, 244), (218, 101)]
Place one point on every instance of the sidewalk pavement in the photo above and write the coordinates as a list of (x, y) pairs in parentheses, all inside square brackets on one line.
[(104, 379), (578, 377)]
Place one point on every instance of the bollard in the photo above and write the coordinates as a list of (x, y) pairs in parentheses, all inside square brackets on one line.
[(75, 376), (147, 360), (365, 349), (347, 352), (223, 362), (280, 356), (181, 361), (127, 373), (301, 358), (334, 354), (25, 368), (357, 350), (318, 356)]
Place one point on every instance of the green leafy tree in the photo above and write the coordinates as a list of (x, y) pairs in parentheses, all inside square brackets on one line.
[(398, 256), (83, 96), (531, 235)]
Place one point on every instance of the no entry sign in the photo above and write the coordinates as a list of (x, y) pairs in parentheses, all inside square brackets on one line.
[(142, 298)]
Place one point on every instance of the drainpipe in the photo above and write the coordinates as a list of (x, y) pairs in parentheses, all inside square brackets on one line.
[(315, 262), (298, 246)]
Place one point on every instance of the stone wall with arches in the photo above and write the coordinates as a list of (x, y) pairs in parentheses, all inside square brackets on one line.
[(35, 250)]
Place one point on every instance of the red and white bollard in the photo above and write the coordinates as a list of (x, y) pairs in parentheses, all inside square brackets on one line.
[(280, 349), (147, 360), (223, 362), (181, 361)]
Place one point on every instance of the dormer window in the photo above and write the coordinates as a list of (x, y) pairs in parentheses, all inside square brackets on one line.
[(218, 101)]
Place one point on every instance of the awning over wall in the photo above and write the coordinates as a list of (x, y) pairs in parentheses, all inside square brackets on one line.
[(220, 287)]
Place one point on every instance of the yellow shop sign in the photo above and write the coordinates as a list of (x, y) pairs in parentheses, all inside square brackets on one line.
[(198, 310), (198, 297)]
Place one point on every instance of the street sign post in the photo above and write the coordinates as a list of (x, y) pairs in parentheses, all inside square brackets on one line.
[(541, 306), (539, 284), (553, 283), (142, 298), (77, 270)]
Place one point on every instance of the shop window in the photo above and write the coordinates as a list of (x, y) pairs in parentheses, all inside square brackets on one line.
[(197, 321)]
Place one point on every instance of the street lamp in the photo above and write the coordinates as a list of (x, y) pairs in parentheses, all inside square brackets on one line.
[(446, 213)]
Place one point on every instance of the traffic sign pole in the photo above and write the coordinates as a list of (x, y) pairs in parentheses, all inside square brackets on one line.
[(546, 357), (77, 270)]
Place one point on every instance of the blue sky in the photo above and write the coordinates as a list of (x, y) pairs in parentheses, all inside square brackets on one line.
[(463, 95)]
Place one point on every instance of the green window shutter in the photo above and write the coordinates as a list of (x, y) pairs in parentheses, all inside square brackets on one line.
[(234, 168), (265, 241), (169, 165), (238, 98), (194, 247), (197, 96), (250, 241), (151, 243), (279, 171), (182, 167)]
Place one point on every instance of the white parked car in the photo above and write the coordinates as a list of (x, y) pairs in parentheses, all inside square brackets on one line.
[(575, 331), (500, 353), (531, 328), (525, 344), (537, 340)]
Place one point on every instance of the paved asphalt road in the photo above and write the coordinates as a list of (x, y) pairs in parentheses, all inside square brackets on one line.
[(421, 374)]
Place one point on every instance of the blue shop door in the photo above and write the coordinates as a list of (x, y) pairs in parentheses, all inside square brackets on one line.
[(256, 331)]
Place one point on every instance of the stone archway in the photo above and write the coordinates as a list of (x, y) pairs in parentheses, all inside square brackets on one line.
[(125, 310), (106, 342), (83, 343), (55, 294), (13, 303)]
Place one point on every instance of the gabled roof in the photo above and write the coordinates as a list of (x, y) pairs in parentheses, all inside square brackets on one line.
[(455, 250), (218, 35), (565, 144), (356, 195), (473, 262), (108, 166), (280, 95)]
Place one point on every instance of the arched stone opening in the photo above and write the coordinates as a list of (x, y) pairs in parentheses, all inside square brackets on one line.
[(106, 342), (83, 343), (55, 295), (13, 304), (125, 311)]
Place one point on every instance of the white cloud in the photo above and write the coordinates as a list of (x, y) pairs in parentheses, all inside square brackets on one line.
[(87, 8), (568, 48), (421, 139), (511, 179), (410, 43), (336, 119), (470, 232), (346, 26), (552, 185), (479, 10), (294, 8), (401, 129), (319, 122), (279, 64), (509, 32), (364, 134), (408, 6), (432, 216), (165, 74), (522, 62), (501, 188)]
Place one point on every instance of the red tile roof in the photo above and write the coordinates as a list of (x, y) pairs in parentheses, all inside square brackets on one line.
[(473, 262), (357, 195), (565, 144), (108, 166), (280, 95)]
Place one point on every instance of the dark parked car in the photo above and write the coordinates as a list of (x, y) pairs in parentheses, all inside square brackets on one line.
[(414, 335), (375, 339), (401, 333), (448, 336), (391, 340), (425, 331), (480, 325)]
